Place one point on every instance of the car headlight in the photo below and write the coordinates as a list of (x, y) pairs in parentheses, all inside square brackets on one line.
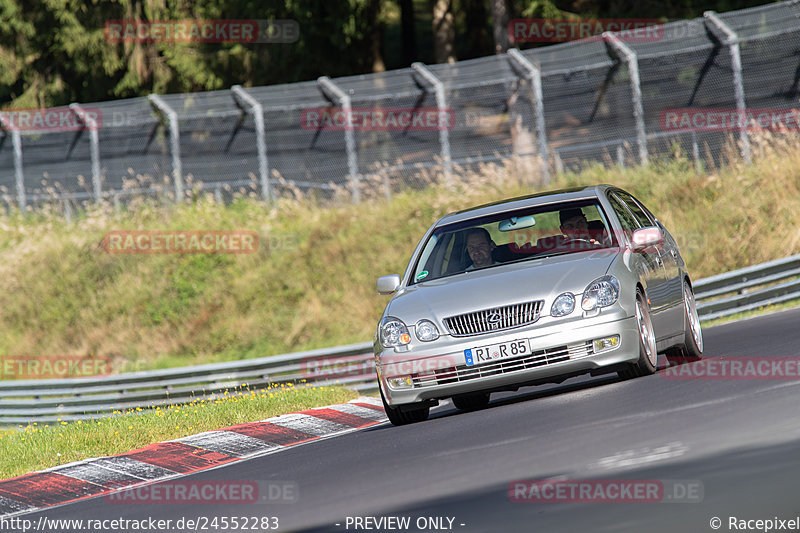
[(563, 305), (426, 331), (393, 332), (602, 292)]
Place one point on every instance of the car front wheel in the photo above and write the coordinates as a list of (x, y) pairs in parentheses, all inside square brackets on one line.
[(406, 415), (648, 356)]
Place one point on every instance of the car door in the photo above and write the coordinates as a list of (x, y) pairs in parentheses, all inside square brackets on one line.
[(650, 265), (673, 288)]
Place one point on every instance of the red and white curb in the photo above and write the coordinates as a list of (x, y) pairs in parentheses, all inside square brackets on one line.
[(165, 460)]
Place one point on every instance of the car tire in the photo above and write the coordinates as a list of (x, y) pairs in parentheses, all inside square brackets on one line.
[(471, 402), (648, 354), (692, 348), (407, 415)]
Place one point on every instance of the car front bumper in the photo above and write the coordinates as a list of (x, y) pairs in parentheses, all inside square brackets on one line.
[(557, 351)]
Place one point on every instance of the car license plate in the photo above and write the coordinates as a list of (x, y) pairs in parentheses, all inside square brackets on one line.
[(494, 352)]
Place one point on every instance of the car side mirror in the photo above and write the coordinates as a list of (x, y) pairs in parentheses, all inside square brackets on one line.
[(643, 239), (388, 284)]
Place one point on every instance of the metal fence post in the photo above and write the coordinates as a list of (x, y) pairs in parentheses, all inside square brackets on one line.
[(336, 95), (22, 198), (16, 144), (534, 74), (698, 165), (257, 110), (636, 90), (558, 162), (732, 42), (94, 147), (441, 104), (175, 141)]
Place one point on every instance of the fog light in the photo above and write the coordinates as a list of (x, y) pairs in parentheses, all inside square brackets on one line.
[(605, 344), (402, 382)]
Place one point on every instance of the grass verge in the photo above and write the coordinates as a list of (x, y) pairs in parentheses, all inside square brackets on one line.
[(36, 447), (311, 283)]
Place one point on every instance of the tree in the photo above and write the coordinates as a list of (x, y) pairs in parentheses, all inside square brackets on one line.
[(500, 25), (443, 31), (55, 53), (408, 31), (477, 42)]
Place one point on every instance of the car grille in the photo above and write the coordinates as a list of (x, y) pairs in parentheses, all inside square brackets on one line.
[(538, 358), (495, 319)]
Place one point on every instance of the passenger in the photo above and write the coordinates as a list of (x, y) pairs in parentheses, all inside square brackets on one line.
[(575, 227)]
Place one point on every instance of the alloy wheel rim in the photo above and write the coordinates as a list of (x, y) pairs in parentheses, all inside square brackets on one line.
[(691, 313), (645, 333)]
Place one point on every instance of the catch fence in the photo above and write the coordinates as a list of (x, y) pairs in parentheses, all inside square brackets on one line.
[(553, 108)]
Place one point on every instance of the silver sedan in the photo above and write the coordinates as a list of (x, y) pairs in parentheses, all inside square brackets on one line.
[(533, 290)]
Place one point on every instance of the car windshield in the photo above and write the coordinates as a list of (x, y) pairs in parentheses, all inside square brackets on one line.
[(508, 237)]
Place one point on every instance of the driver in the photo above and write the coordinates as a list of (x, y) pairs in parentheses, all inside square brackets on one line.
[(574, 226), (479, 248)]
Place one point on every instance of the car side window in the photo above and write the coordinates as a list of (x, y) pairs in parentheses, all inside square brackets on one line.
[(627, 220), (641, 216)]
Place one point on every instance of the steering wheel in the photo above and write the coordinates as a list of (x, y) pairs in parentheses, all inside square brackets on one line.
[(577, 239)]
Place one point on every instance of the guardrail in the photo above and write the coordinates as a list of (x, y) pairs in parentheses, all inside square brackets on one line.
[(748, 288), (52, 400)]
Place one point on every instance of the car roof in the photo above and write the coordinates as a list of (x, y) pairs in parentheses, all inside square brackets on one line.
[(521, 202)]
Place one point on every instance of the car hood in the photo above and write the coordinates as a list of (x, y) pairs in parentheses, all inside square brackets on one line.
[(538, 279)]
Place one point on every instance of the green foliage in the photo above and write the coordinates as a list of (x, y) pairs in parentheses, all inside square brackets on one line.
[(54, 52), (542, 9), (57, 52)]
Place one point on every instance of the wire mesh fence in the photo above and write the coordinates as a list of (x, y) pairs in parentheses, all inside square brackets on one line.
[(560, 107)]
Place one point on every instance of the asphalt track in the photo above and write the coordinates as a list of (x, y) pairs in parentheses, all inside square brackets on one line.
[(734, 443)]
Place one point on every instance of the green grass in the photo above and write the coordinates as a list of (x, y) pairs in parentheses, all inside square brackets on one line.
[(315, 287), (39, 446)]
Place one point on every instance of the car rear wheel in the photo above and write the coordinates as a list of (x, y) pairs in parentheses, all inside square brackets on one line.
[(471, 402), (648, 356), (406, 415), (692, 349)]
